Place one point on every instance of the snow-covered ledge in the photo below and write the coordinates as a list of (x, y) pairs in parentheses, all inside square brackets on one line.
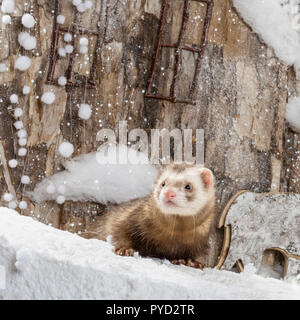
[(41, 262)]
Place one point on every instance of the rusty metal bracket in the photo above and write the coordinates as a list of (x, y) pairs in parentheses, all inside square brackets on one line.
[(74, 30), (179, 46)]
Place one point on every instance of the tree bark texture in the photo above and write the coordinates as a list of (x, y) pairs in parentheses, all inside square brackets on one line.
[(240, 98)]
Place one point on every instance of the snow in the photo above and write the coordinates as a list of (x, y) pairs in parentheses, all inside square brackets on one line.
[(14, 98), (60, 199), (50, 189), (83, 49), (61, 51), (26, 90), (67, 37), (22, 141), (61, 189), (25, 179), (28, 20), (7, 197), (292, 114), (27, 41), (12, 205), (13, 163), (22, 152), (18, 125), (42, 262), (18, 112), (83, 41), (76, 2), (8, 6), (89, 177), (22, 63), (275, 23), (6, 19), (66, 149), (61, 19), (62, 81), (85, 111), (48, 97), (23, 205), (22, 134), (81, 7), (69, 48), (3, 67), (88, 4)]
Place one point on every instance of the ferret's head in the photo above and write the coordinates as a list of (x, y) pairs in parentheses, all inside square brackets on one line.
[(184, 190)]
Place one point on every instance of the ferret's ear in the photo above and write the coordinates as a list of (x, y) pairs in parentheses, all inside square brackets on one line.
[(207, 177)]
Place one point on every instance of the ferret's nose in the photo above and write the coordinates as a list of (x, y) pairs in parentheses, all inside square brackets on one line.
[(169, 194)]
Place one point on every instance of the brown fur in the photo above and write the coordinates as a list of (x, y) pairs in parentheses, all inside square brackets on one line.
[(141, 226)]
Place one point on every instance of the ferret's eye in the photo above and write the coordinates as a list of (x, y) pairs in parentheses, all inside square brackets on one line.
[(188, 187), (163, 184)]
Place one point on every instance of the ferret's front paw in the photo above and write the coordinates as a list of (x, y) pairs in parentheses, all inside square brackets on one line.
[(189, 263), (128, 252)]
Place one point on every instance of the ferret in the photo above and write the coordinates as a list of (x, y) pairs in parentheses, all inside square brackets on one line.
[(174, 222)]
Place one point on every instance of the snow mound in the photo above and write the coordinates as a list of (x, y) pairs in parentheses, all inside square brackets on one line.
[(274, 21), (41, 262), (292, 113), (88, 178)]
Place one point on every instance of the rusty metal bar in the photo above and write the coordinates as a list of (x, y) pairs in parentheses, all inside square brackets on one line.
[(163, 17), (204, 41), (171, 99), (179, 46), (78, 31), (178, 51), (72, 55), (184, 47), (101, 34), (53, 50), (57, 29)]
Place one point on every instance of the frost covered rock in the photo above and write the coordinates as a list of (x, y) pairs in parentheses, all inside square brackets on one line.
[(41, 262), (86, 179), (260, 222), (22, 63), (292, 114)]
